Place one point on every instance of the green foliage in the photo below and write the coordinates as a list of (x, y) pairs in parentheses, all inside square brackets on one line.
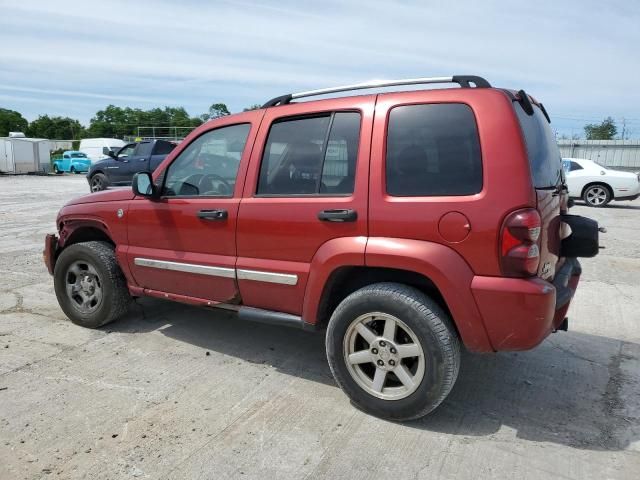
[(117, 121), (606, 130), (61, 128), (216, 110), (112, 122), (255, 106), (11, 121)]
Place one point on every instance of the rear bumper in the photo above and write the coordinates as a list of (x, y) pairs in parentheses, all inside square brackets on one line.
[(519, 313), (50, 251)]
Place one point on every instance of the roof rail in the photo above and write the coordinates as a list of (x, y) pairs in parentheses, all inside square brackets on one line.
[(465, 81)]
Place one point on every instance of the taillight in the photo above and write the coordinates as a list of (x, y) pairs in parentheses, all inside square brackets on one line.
[(519, 243)]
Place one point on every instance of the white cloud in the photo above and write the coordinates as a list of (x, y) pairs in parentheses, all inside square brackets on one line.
[(577, 56)]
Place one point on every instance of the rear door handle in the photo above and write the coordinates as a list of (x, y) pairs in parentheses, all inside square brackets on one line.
[(338, 215), (213, 214)]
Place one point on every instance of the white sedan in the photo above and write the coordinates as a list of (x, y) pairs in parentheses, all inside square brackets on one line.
[(597, 185)]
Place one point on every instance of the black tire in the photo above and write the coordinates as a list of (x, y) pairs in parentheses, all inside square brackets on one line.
[(434, 331), (115, 298), (98, 182), (56, 170), (597, 195), (73, 170)]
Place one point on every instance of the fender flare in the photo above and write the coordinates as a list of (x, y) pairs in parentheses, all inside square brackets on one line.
[(72, 225), (442, 265), (332, 255)]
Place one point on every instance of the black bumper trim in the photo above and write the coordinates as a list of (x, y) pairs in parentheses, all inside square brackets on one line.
[(630, 197)]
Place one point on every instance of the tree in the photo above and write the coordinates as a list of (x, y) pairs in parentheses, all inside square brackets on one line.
[(601, 131), (216, 110), (11, 121), (117, 122), (255, 106), (60, 128)]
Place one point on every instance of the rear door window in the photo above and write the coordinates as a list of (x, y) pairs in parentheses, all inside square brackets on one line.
[(163, 148), (311, 156), (144, 149), (542, 149), (433, 150)]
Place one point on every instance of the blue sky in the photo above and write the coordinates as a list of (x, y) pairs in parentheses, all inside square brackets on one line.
[(73, 58)]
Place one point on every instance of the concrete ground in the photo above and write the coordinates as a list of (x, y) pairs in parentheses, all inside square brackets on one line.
[(177, 392)]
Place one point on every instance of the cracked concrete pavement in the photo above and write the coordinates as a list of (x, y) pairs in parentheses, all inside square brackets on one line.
[(173, 391)]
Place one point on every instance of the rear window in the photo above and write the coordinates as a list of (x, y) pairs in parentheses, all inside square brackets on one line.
[(433, 150), (542, 149)]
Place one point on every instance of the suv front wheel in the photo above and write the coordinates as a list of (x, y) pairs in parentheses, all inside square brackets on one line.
[(393, 351), (98, 182), (89, 284)]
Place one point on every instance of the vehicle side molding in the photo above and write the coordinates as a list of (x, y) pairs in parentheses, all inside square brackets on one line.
[(272, 318)]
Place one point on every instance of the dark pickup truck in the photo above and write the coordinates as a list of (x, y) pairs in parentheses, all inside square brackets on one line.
[(118, 170)]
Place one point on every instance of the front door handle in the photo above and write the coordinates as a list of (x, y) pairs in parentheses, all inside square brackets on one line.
[(338, 215), (213, 214)]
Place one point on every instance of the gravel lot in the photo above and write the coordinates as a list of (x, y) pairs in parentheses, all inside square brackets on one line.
[(177, 392)]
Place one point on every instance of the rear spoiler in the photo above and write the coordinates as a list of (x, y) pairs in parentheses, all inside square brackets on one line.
[(527, 102)]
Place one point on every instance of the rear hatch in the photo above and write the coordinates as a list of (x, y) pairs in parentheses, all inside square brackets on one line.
[(546, 172)]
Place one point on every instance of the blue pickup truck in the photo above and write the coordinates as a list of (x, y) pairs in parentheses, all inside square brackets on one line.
[(121, 166), (72, 162)]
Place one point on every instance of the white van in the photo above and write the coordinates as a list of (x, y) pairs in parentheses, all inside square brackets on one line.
[(94, 148)]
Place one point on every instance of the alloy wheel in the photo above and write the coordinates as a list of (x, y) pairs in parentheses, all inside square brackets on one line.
[(96, 184), (596, 196), (384, 356)]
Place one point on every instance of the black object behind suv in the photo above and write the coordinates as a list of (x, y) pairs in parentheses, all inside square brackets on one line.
[(118, 170)]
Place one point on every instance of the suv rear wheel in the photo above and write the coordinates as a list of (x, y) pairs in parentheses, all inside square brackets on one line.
[(393, 351), (597, 195), (89, 284)]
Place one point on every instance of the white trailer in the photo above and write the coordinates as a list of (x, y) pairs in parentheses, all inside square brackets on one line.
[(24, 155)]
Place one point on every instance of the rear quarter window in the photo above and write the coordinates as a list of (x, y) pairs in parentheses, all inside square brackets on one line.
[(433, 150), (542, 149)]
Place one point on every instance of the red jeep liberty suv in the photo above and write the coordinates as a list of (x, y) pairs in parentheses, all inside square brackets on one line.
[(404, 223)]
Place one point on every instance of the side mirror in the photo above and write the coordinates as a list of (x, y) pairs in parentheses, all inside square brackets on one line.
[(142, 185), (106, 151)]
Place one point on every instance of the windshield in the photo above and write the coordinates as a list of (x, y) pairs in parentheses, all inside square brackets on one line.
[(78, 155), (542, 148)]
